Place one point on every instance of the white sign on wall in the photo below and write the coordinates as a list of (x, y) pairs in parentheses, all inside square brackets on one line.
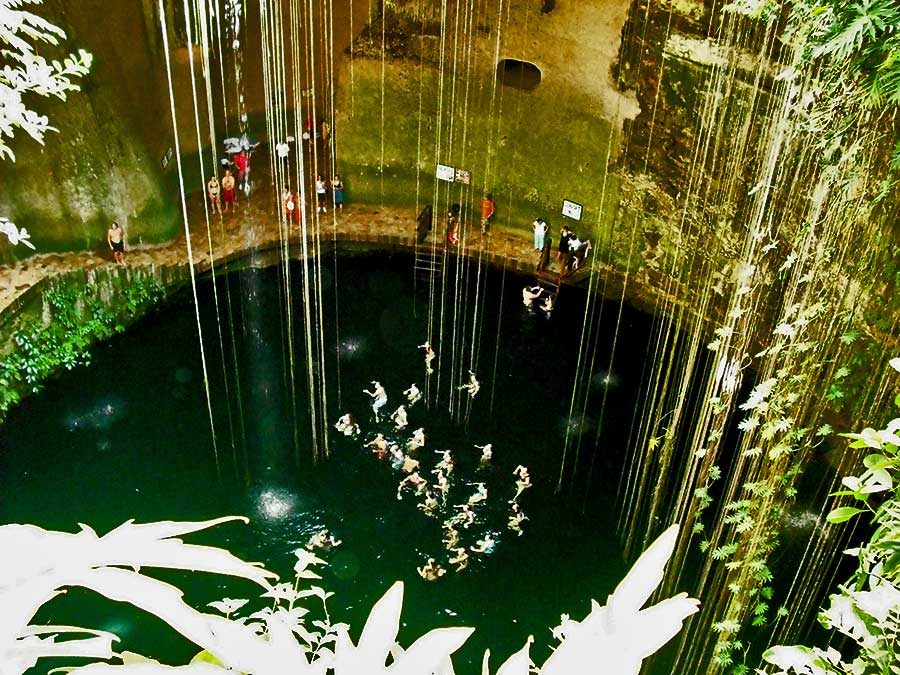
[(447, 173), (571, 210)]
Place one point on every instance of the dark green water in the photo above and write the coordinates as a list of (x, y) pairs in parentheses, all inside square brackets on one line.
[(129, 437)]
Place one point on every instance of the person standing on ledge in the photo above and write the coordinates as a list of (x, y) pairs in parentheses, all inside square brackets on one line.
[(115, 237), (487, 212), (213, 190), (228, 190)]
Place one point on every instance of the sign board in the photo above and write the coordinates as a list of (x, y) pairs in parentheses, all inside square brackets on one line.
[(571, 210), (444, 172), (166, 158), (463, 176)]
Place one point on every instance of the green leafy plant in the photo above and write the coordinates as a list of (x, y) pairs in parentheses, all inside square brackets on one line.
[(866, 608)]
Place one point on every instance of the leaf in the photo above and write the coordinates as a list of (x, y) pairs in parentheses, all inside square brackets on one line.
[(842, 514)]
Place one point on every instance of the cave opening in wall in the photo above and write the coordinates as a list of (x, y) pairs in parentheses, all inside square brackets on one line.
[(518, 74)]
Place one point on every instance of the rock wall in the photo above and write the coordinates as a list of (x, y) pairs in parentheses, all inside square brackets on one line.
[(104, 164)]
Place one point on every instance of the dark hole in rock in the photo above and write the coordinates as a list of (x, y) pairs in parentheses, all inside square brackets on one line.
[(518, 74)]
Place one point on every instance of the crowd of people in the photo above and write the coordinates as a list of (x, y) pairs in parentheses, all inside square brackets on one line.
[(453, 493)]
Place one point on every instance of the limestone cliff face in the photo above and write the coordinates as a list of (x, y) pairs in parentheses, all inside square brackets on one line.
[(104, 163)]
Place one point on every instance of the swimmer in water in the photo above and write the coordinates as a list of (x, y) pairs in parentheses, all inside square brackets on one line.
[(480, 495), (431, 571), (413, 480), (472, 386), (523, 482), (461, 559), (322, 539), (417, 441), (430, 506), (397, 457), (465, 517), (548, 304), (379, 397), (530, 294), (485, 545), (446, 463), (413, 395), (487, 454), (516, 518), (409, 464), (347, 425), (451, 537), (443, 485), (399, 418), (379, 446), (429, 357)]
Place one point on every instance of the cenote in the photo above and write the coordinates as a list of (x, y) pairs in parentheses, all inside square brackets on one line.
[(129, 437)]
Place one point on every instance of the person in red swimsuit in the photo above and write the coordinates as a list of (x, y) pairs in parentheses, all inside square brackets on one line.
[(241, 162)]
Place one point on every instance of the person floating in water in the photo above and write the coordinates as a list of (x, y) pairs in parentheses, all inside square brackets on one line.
[(461, 559), (412, 480), (413, 395), (347, 425), (446, 463), (548, 304), (431, 571), (451, 537), (516, 517), (472, 386), (443, 485), (480, 495), (379, 446), (397, 457), (487, 454), (429, 357), (379, 397), (409, 464), (530, 294), (465, 517), (322, 539), (485, 545), (399, 418), (523, 482), (430, 506), (417, 441)]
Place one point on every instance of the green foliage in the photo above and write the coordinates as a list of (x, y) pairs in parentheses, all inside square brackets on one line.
[(79, 317), (866, 608)]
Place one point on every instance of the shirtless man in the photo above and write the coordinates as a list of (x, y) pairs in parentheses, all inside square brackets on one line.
[(213, 190), (461, 559), (228, 191), (347, 425), (413, 395), (115, 237), (516, 518), (472, 386), (417, 441), (487, 453), (379, 397), (429, 357), (429, 506), (399, 418), (409, 464), (414, 480), (379, 446), (446, 463), (431, 571), (451, 537), (480, 495), (523, 482)]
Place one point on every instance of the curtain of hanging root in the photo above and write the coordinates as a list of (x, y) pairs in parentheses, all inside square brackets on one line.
[(187, 232)]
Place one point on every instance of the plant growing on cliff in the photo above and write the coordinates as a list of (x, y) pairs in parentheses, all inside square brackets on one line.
[(79, 317), (25, 72), (866, 608)]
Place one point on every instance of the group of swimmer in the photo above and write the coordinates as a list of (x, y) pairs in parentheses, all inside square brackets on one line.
[(432, 486)]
